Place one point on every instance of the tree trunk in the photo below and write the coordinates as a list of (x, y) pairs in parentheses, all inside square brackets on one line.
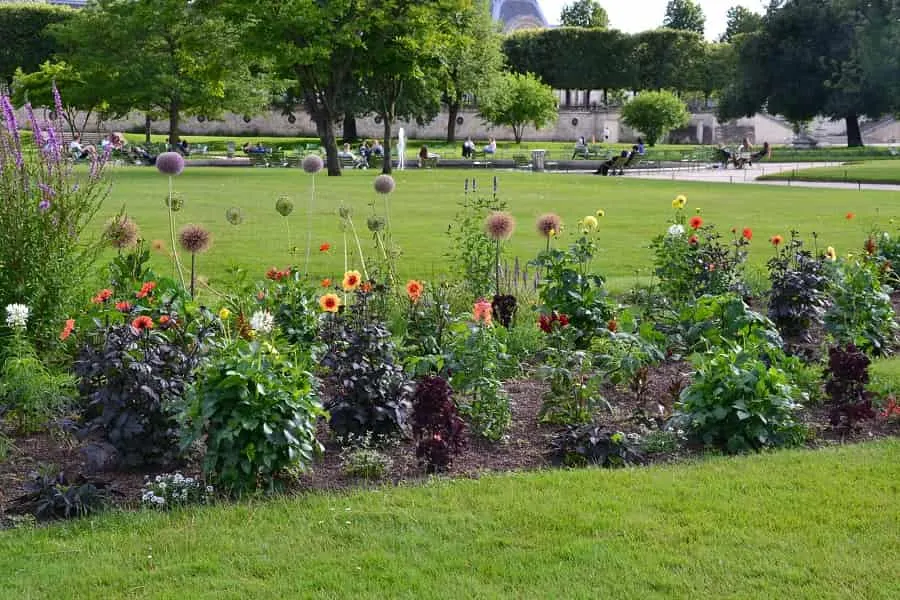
[(174, 118), (350, 134), (148, 126), (854, 136), (452, 113), (325, 129), (386, 163), (568, 98), (587, 98)]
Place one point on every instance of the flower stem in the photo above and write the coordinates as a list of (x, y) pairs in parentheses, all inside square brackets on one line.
[(309, 211), (177, 261), (362, 260)]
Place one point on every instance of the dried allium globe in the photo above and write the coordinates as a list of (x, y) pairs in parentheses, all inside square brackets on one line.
[(344, 211), (375, 223), (194, 239), (175, 202), (499, 225), (313, 163), (122, 232), (234, 215), (170, 163), (548, 224), (284, 206), (384, 184)]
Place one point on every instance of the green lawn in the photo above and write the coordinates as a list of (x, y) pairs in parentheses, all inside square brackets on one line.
[(879, 171), (793, 524), (425, 203)]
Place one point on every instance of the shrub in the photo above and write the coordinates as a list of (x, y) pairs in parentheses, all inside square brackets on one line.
[(369, 388), (171, 490), (860, 312), (568, 287), (361, 458), (295, 308), (655, 114), (256, 407), (132, 381), (845, 383), (797, 299), (736, 402), (594, 445), (46, 211), (436, 426), (573, 392)]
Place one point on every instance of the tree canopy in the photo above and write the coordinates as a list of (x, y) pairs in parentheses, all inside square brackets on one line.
[(519, 100), (740, 20), (584, 13), (26, 44), (685, 15), (654, 114)]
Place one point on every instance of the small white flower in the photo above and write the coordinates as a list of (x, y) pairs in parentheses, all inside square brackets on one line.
[(209, 489), (676, 230), (17, 316), (262, 321), (159, 500)]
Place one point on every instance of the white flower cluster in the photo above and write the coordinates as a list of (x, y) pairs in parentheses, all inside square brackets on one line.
[(17, 316), (262, 321), (169, 490), (676, 230)]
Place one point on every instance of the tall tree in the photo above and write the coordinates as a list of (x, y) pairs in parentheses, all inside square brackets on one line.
[(401, 74), (519, 100), (83, 97), (812, 58), (740, 20), (584, 13), (169, 57), (471, 58), (686, 15)]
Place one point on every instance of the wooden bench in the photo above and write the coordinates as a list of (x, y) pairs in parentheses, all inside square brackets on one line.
[(429, 163)]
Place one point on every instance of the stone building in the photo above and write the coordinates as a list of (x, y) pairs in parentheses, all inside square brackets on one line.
[(518, 14)]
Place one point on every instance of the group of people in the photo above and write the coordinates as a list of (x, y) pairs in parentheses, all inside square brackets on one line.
[(367, 150), (625, 159), (259, 148), (468, 148), (744, 155), (79, 151)]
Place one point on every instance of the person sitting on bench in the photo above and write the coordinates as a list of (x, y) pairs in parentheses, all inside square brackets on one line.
[(766, 152), (724, 156), (607, 165), (468, 149)]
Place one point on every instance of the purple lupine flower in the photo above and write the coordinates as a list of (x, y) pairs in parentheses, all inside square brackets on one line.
[(57, 102), (46, 191), (44, 205), (35, 126), (9, 118), (53, 143)]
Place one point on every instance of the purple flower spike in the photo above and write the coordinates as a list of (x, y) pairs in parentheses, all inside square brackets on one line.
[(170, 163), (57, 102), (44, 205)]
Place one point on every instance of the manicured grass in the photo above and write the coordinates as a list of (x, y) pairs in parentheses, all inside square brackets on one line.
[(881, 171), (799, 525), (425, 202)]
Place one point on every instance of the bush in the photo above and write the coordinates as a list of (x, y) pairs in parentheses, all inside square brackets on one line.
[(736, 402), (845, 383), (369, 388), (655, 114), (436, 426), (49, 495), (361, 458), (171, 490), (256, 407), (860, 312), (574, 391), (132, 381), (798, 299)]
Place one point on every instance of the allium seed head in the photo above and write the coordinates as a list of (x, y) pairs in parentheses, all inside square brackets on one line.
[(384, 184), (284, 206), (313, 163), (344, 211), (122, 232), (499, 225), (175, 202), (375, 223), (194, 239), (170, 163), (548, 224), (234, 215)]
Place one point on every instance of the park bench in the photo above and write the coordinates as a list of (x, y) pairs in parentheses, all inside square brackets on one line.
[(258, 159), (429, 163), (521, 161)]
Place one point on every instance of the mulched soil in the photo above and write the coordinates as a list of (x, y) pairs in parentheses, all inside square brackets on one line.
[(524, 448)]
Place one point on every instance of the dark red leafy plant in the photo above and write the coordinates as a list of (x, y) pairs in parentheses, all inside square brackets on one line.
[(436, 425)]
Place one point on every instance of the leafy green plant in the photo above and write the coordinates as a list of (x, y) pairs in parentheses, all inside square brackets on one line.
[(655, 114), (736, 402), (294, 306), (427, 322), (362, 458), (475, 363), (368, 386), (860, 312), (580, 445), (569, 287), (798, 298), (472, 253), (660, 442), (170, 490), (845, 383), (255, 405), (31, 393), (574, 389)]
